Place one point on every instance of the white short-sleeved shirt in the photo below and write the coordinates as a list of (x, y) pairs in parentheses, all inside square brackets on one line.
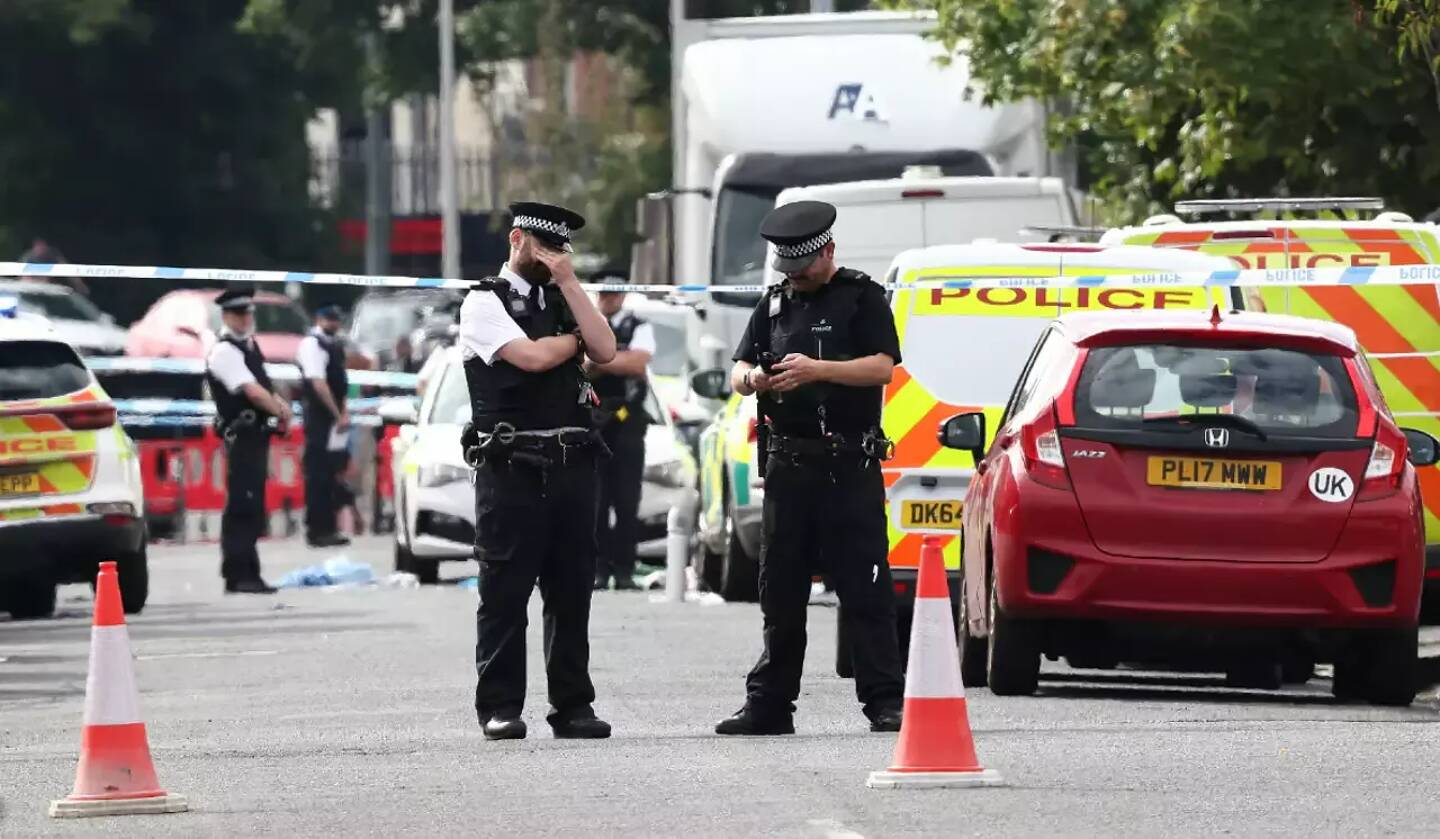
[(227, 363), (311, 357), (642, 339), (485, 326)]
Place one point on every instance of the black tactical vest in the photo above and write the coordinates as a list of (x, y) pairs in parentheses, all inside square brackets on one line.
[(335, 378), (818, 325), (626, 391), (229, 405), (502, 392)]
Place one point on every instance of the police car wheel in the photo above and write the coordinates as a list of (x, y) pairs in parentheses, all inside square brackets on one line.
[(134, 572), (1014, 656), (26, 599), (1392, 677), (739, 572), (403, 559)]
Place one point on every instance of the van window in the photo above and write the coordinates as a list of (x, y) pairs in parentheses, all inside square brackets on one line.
[(1285, 392), (940, 353)]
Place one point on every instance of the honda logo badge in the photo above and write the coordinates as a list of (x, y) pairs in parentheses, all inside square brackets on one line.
[(1217, 438)]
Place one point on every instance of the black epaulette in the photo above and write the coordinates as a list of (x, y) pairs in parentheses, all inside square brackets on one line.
[(850, 275), (496, 284)]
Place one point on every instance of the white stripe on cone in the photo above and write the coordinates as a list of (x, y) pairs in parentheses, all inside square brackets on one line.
[(111, 697), (934, 668)]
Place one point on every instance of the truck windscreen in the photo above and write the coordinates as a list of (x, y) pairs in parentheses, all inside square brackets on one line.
[(739, 255)]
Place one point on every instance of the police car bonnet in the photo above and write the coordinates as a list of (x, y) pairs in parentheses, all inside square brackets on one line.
[(550, 224), (799, 232)]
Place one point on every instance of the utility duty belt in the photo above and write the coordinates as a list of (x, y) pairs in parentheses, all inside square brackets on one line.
[(871, 445), (247, 420), (541, 449)]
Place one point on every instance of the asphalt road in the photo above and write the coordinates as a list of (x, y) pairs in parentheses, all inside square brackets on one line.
[(348, 712)]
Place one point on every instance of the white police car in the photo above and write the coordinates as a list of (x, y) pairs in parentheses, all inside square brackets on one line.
[(435, 501), (70, 490)]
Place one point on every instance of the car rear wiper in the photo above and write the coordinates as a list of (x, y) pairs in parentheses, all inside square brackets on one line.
[(1214, 419)]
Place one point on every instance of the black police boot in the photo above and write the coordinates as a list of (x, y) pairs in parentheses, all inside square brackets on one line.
[(580, 728), (328, 540), (626, 583), (503, 728), (602, 582), (752, 723), (255, 586), (887, 718)]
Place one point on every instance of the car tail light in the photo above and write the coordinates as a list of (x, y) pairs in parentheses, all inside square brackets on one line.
[(923, 193), (88, 417), (1040, 443), (1387, 463)]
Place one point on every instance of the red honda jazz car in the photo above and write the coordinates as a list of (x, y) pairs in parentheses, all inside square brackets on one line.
[(1194, 491)]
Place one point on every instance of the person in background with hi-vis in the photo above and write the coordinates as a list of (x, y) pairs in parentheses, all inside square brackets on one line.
[(247, 413), (621, 417), (818, 350), (324, 384), (534, 451)]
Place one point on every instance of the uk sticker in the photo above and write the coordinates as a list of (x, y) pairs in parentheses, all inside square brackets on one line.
[(1331, 485)]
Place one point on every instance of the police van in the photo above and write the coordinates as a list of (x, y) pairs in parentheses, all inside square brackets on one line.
[(963, 351), (70, 486), (1398, 326)]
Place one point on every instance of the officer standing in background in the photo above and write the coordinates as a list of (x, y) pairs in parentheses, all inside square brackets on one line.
[(531, 441), (819, 349), (324, 386), (247, 413), (621, 417)]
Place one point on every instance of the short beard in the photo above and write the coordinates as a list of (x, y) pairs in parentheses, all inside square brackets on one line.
[(533, 271)]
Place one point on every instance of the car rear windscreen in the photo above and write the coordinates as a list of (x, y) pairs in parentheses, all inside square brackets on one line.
[(40, 370), (1285, 392)]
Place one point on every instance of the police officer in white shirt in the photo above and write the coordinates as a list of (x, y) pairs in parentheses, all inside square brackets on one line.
[(247, 413), (522, 335), (324, 384)]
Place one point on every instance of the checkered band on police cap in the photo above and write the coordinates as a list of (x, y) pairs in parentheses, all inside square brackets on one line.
[(809, 246), (554, 228)]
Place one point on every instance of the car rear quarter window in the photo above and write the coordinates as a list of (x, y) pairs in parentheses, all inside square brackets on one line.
[(39, 370), (1285, 392)]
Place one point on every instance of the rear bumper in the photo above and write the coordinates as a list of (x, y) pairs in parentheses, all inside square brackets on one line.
[(1048, 567), (66, 549)]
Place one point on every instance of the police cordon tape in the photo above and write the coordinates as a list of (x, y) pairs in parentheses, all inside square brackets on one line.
[(146, 420), (1374, 275), (279, 372), (200, 407)]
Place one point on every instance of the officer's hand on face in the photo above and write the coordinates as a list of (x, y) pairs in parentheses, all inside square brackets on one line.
[(558, 261), (795, 370)]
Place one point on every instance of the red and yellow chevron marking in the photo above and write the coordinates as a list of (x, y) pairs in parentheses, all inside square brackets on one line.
[(24, 513), (1387, 320)]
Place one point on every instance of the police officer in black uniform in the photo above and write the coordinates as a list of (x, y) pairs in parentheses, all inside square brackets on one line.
[(324, 386), (247, 413), (523, 335), (623, 421), (818, 350)]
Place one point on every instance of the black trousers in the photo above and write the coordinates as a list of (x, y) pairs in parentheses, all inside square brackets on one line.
[(320, 481), (534, 526), (825, 516), (241, 525), (620, 482)]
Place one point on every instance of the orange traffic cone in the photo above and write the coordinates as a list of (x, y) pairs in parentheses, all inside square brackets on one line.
[(935, 748), (115, 776)]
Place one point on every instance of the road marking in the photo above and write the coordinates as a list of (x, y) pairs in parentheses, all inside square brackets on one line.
[(158, 656), (834, 829)]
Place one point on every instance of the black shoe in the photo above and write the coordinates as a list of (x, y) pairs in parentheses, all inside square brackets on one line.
[(329, 540), (602, 583), (504, 728), (749, 723), (626, 584), (887, 719), (255, 586), (580, 728)]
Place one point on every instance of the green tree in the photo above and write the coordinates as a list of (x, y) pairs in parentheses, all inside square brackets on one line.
[(1170, 99), (1417, 23)]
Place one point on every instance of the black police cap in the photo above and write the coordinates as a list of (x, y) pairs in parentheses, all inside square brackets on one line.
[(549, 223), (236, 297), (799, 232)]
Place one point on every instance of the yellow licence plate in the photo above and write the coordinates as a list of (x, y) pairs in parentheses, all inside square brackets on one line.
[(23, 483), (937, 515), (1213, 473)]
